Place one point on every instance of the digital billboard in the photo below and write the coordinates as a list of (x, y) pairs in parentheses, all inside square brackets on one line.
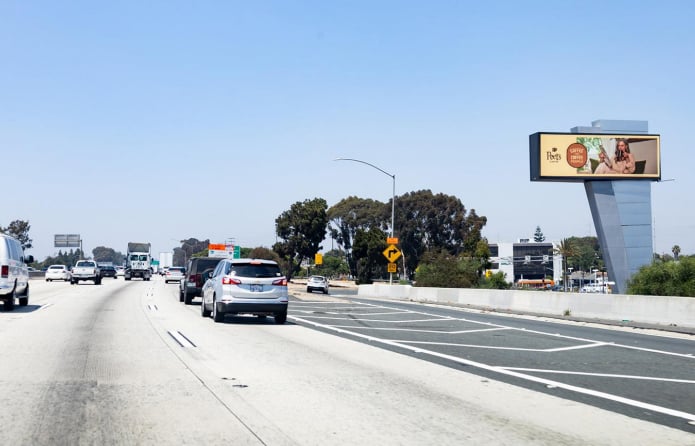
[(582, 157)]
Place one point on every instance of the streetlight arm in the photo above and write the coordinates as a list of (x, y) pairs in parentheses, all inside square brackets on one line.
[(369, 164)]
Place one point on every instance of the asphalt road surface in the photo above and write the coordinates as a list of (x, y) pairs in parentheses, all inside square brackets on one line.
[(126, 363)]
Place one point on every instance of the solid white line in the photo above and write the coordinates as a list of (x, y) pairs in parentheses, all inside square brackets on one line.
[(487, 347), (547, 382), (377, 320), (682, 355), (603, 375), (421, 331), (577, 347)]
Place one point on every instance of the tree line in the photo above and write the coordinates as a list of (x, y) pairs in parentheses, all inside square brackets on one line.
[(440, 240)]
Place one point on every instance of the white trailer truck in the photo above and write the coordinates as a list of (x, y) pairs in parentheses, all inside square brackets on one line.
[(138, 261)]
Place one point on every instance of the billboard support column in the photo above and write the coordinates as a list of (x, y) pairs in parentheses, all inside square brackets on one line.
[(622, 214)]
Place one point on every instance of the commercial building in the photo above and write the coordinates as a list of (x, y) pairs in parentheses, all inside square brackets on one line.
[(526, 260)]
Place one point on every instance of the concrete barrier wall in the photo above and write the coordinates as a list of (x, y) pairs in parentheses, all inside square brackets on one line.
[(660, 310)]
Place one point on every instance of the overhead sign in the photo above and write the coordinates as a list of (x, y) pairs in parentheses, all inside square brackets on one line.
[(221, 250), (392, 253), (66, 241), (597, 156)]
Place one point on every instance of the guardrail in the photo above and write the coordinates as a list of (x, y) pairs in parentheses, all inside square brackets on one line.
[(663, 311)]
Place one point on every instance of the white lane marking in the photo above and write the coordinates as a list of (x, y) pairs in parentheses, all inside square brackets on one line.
[(44, 306), (547, 382), (493, 347), (602, 375), (180, 339), (650, 350), (577, 347), (421, 331), (557, 335), (350, 313), (592, 341), (377, 320)]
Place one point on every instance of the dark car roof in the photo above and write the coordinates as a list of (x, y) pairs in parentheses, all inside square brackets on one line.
[(202, 263)]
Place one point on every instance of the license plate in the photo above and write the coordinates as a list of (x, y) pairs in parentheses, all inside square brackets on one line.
[(256, 288)]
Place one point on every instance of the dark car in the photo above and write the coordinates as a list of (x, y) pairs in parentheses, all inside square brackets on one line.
[(108, 271), (191, 285)]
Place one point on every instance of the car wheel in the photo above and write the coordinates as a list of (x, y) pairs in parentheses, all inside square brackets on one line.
[(203, 310), (187, 298), (47, 280), (308, 290), (9, 301), (72, 282), (24, 299), (180, 296), (325, 291), (216, 315), (97, 281), (281, 318)]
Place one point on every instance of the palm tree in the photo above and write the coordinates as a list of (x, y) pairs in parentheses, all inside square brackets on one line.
[(676, 250), (567, 250)]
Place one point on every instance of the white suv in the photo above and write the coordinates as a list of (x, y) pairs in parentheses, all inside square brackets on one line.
[(245, 286), (318, 283), (14, 274)]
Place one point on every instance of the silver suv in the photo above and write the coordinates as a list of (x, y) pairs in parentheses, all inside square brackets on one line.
[(317, 283), (14, 274), (245, 286)]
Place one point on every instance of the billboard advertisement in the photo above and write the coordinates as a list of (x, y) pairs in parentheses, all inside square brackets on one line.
[(582, 157)]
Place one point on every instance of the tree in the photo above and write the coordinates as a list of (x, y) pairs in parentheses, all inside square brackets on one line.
[(538, 237), (301, 229), (496, 281), (425, 222), (567, 250), (334, 264), (351, 214), (104, 254), (665, 279), (368, 249), (263, 253), (191, 247), (19, 229), (439, 268), (676, 250)]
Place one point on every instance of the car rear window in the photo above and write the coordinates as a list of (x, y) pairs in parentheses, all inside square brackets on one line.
[(254, 270), (56, 267), (176, 268), (203, 264)]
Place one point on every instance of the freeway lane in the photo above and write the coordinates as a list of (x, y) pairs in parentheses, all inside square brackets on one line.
[(126, 363), (644, 376)]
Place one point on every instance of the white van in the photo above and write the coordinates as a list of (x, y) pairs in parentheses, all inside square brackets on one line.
[(14, 275)]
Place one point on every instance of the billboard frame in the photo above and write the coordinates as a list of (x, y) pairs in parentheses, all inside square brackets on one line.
[(556, 156)]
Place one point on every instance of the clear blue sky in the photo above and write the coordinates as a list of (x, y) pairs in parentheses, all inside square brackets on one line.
[(162, 120)]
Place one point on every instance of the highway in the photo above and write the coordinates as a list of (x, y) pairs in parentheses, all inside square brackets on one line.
[(126, 363)]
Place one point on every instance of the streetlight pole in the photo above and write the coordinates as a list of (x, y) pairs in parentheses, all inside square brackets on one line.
[(393, 199)]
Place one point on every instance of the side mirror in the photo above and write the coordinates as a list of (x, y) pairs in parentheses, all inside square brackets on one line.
[(206, 276), (29, 259)]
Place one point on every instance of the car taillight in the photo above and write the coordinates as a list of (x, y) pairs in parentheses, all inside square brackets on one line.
[(281, 282), (4, 271), (230, 281)]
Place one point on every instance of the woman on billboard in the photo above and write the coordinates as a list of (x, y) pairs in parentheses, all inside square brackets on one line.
[(622, 162)]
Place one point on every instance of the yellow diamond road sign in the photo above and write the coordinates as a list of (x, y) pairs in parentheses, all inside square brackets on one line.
[(392, 253)]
